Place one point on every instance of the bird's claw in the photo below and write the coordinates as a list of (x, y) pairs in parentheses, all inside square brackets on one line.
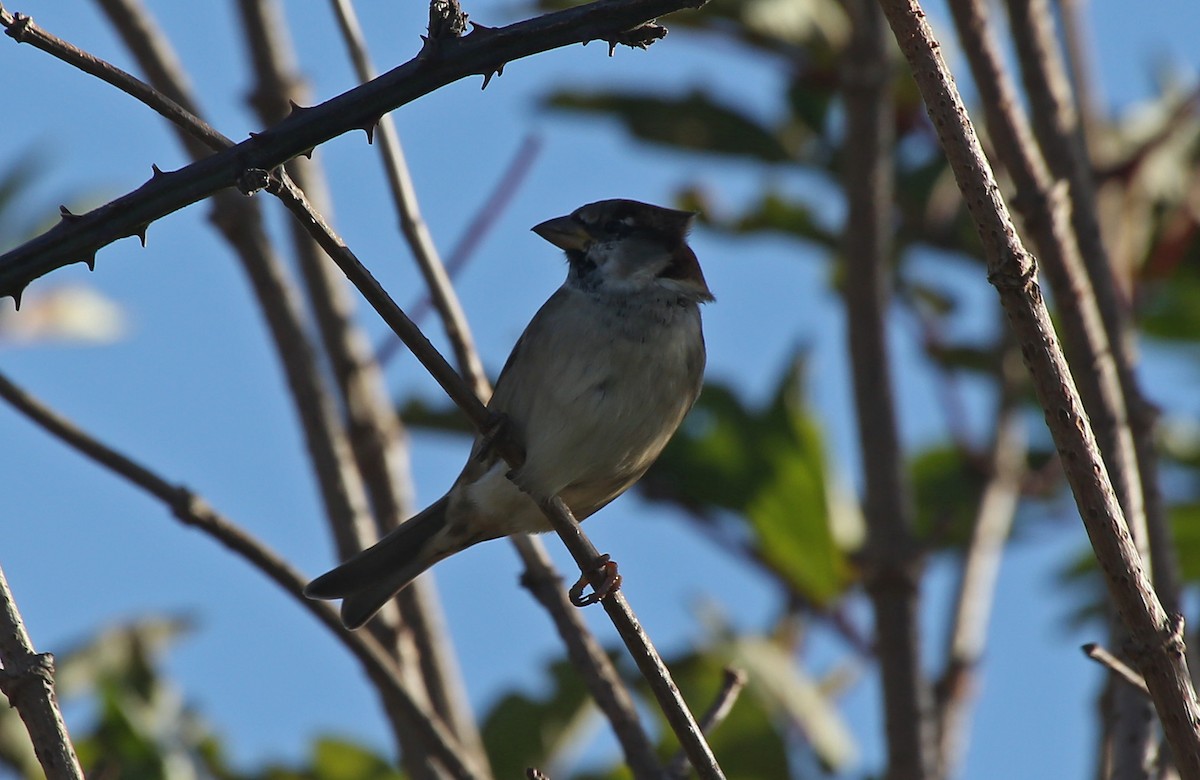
[(604, 567)]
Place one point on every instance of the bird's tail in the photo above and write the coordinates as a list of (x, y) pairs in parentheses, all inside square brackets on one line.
[(366, 581)]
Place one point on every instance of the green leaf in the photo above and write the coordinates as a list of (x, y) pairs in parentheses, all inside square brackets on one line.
[(695, 122), (767, 466), (522, 731), (339, 759), (773, 213), (748, 743), (947, 489), (784, 689)]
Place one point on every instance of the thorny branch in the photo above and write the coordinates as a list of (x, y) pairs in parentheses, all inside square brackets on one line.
[(484, 51), (247, 165), (540, 577)]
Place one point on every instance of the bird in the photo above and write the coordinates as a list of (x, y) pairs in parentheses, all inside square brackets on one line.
[(594, 388)]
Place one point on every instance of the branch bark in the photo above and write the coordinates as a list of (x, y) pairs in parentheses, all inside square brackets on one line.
[(485, 51), (1157, 635), (279, 184), (891, 557), (194, 511), (27, 679)]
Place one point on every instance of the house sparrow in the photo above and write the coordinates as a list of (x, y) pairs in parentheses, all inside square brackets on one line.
[(594, 388)]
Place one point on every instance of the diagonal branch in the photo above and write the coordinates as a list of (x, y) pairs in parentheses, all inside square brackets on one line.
[(586, 555), (194, 511), (484, 51), (27, 681), (1157, 636)]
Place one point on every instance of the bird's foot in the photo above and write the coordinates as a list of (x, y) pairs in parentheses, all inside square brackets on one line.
[(605, 570)]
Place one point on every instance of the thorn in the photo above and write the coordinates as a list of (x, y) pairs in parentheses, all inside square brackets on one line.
[(307, 153), (296, 108), (16, 296), (482, 29), (612, 47), (487, 77), (141, 234), (157, 171), (66, 215), (369, 129), (90, 261)]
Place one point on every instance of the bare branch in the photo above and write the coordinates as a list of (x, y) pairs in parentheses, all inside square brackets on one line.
[(891, 558), (412, 225), (638, 643), (1157, 635), (732, 683), (1115, 665), (500, 196), (980, 566), (27, 679), (194, 511)]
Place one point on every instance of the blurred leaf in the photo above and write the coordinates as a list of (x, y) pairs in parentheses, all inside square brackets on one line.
[(1170, 309), (1185, 525), (784, 689), (748, 744), (696, 122), (73, 313), (338, 759), (774, 212), (522, 731), (446, 417), (948, 489), (769, 467)]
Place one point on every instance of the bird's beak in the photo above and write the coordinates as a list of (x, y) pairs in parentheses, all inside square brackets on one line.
[(564, 232)]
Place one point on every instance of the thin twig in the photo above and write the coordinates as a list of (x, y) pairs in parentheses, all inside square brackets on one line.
[(585, 553), (408, 211), (1060, 134), (891, 557), (980, 567), (501, 195), (1115, 665), (1046, 210), (1157, 636), (27, 680), (194, 511), (732, 682), (240, 223)]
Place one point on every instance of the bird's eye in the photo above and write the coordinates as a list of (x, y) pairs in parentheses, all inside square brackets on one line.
[(616, 227)]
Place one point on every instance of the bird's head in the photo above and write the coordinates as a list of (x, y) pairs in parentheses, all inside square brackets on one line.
[(624, 245)]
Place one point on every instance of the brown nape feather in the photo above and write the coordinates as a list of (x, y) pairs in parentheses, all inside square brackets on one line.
[(685, 266)]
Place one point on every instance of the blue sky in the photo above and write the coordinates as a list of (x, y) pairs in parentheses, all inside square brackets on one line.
[(196, 392)]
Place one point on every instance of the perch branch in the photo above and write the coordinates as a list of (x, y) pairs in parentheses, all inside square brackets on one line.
[(585, 554), (194, 511)]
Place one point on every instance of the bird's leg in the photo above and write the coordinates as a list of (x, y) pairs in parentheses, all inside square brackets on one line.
[(604, 568)]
